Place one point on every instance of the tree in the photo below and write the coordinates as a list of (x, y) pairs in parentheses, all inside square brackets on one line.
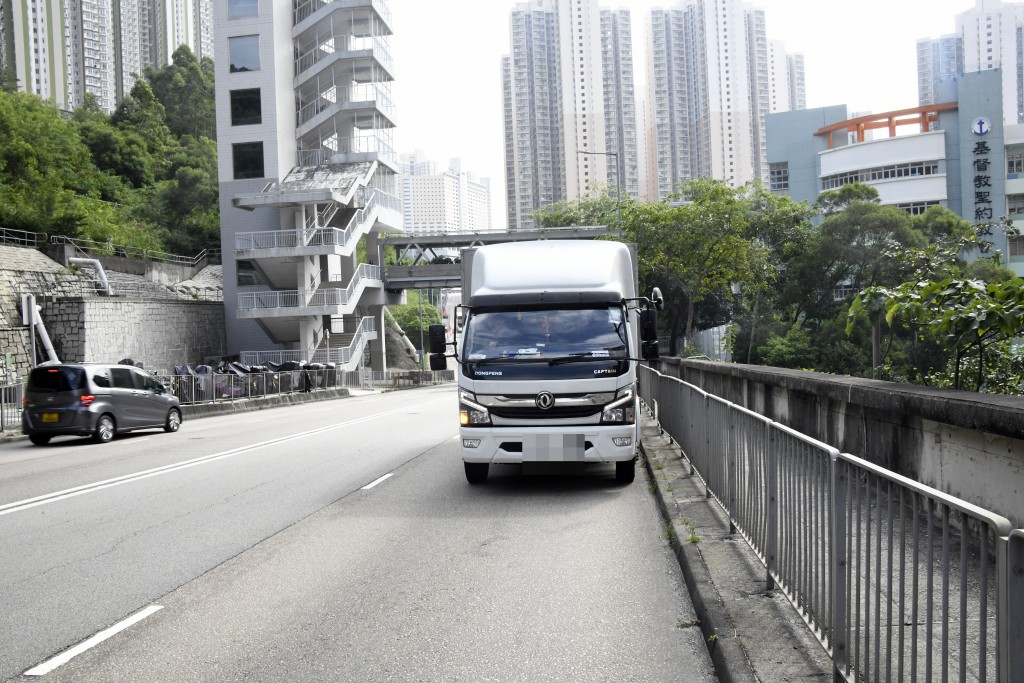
[(965, 316), (185, 87), (45, 170), (142, 113), (408, 316)]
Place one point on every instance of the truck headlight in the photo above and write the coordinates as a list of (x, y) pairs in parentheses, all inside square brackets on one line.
[(623, 409), (472, 413)]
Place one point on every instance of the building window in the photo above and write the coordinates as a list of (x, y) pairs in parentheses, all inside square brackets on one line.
[(246, 109), (879, 173), (1015, 162), (242, 9), (248, 160), (1014, 204), (244, 53), (778, 177), (1015, 245), (916, 208)]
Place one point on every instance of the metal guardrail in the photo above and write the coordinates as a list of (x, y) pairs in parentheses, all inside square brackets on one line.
[(219, 387), (11, 395), (21, 238), (93, 248), (897, 580)]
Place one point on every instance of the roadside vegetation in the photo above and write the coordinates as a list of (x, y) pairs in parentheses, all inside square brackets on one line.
[(143, 176), (846, 286)]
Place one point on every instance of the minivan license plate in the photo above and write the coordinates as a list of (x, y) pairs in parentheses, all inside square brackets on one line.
[(49, 417)]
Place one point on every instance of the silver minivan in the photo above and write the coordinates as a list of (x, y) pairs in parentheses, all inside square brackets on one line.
[(97, 400)]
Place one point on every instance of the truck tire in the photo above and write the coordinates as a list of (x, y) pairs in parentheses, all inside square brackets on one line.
[(625, 471), (476, 472)]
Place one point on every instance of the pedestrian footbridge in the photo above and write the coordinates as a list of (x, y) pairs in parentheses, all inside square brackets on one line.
[(423, 247)]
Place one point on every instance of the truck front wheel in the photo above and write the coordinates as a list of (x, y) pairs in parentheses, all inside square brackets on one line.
[(625, 471), (476, 472)]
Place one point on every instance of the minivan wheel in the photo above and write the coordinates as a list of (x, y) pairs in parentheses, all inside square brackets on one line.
[(173, 420), (39, 439), (104, 429)]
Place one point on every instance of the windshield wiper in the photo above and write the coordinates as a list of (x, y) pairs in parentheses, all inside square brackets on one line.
[(527, 357), (584, 356)]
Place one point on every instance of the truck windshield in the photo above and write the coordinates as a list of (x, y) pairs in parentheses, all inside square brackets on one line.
[(547, 334)]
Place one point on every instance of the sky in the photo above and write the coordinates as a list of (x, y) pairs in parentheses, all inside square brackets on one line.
[(448, 53)]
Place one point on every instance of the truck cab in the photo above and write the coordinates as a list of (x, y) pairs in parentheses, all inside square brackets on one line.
[(547, 356)]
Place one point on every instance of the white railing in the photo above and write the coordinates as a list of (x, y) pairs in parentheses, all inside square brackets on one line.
[(304, 10), (363, 144), (340, 355), (344, 43), (298, 298), (336, 96), (321, 237)]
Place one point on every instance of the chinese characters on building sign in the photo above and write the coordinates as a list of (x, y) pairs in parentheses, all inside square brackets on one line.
[(982, 189)]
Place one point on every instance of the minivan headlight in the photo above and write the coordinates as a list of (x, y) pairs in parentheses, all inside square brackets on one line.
[(623, 409), (471, 413)]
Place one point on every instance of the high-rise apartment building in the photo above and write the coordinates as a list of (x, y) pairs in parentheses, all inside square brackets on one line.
[(988, 36), (307, 174), (713, 75), (63, 51), (569, 105), (451, 201), (938, 60)]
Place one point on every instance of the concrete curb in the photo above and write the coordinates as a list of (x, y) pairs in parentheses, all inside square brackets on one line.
[(731, 662), (752, 633)]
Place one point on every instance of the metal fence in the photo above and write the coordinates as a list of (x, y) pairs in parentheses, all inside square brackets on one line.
[(206, 388), (93, 248), (11, 394), (897, 580)]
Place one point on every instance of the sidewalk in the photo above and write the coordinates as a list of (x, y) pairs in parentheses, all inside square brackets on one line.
[(753, 634)]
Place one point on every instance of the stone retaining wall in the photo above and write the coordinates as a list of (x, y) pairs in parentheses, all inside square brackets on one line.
[(966, 444), (159, 334)]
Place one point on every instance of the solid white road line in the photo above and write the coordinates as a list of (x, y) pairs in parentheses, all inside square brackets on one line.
[(17, 506), (377, 481), (66, 656)]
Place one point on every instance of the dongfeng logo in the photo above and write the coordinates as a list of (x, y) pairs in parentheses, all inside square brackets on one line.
[(545, 400)]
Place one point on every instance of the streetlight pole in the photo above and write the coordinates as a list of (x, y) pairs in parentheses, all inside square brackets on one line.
[(618, 183)]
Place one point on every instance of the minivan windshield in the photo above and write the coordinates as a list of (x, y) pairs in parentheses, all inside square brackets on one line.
[(547, 334), (56, 379)]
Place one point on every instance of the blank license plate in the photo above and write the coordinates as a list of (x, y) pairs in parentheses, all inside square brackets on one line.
[(49, 417)]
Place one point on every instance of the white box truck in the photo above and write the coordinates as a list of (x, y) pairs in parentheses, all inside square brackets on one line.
[(552, 333)]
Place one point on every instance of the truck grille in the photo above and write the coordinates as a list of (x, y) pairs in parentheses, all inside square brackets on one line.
[(554, 413)]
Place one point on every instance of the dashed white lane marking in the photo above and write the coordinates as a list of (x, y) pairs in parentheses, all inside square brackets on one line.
[(66, 656), (117, 481), (378, 480)]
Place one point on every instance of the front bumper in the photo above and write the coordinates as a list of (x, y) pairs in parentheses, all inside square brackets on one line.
[(583, 443)]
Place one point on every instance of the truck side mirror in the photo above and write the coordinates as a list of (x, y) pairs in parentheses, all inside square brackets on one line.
[(649, 334), (657, 299), (438, 362), (648, 325), (436, 336)]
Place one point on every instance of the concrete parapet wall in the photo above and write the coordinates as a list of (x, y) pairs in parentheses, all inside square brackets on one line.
[(966, 444), (159, 334)]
